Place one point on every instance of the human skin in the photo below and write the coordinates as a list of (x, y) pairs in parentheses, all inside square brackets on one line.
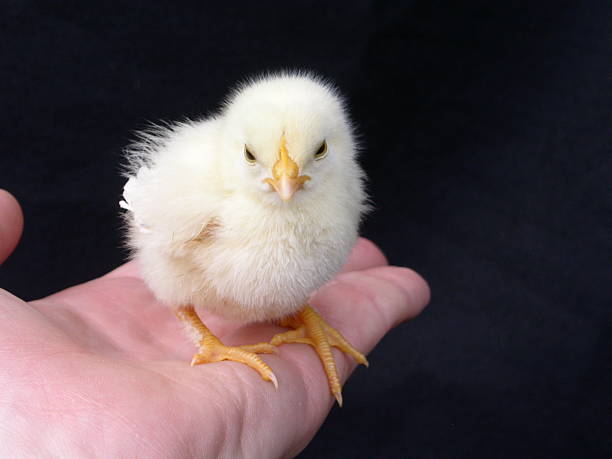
[(102, 369)]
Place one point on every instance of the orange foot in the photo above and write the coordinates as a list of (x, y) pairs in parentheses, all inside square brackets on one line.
[(310, 328), (211, 349)]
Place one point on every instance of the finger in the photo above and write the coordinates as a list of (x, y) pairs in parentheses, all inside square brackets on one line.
[(11, 224), (364, 255), (363, 306), (367, 304), (129, 269)]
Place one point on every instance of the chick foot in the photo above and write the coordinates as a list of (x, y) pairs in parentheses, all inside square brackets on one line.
[(211, 349), (310, 328)]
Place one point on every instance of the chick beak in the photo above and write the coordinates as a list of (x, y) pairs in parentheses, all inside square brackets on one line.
[(285, 171)]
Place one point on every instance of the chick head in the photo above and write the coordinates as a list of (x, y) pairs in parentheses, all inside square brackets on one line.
[(288, 139)]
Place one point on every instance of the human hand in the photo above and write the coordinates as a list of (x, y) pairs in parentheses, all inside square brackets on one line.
[(102, 368)]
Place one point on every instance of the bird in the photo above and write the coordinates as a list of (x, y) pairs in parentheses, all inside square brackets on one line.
[(247, 212)]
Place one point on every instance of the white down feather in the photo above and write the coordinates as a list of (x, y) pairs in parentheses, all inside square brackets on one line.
[(205, 228)]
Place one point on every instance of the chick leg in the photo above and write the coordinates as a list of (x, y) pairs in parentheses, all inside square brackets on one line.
[(211, 349), (310, 328)]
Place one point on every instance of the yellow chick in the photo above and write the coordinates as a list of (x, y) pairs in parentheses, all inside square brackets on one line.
[(248, 212)]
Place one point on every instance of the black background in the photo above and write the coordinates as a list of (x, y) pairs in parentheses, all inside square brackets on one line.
[(487, 134)]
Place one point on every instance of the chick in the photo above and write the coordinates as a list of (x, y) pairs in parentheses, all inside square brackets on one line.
[(248, 212)]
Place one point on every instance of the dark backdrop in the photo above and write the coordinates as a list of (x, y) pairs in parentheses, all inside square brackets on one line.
[(487, 127)]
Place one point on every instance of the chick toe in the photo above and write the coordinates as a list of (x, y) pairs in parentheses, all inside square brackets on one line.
[(211, 349), (217, 352), (310, 328)]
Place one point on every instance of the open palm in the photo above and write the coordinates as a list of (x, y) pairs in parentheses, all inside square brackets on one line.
[(102, 369)]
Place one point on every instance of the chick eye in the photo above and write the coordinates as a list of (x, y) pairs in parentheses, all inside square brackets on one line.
[(248, 156), (322, 151)]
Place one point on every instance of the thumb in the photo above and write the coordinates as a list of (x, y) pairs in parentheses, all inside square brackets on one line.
[(11, 224)]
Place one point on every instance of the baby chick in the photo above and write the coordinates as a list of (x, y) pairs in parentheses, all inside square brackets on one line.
[(248, 212)]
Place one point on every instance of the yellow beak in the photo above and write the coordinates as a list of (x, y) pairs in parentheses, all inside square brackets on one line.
[(285, 171)]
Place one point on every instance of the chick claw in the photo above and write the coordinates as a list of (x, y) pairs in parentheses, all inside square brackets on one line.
[(310, 328)]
